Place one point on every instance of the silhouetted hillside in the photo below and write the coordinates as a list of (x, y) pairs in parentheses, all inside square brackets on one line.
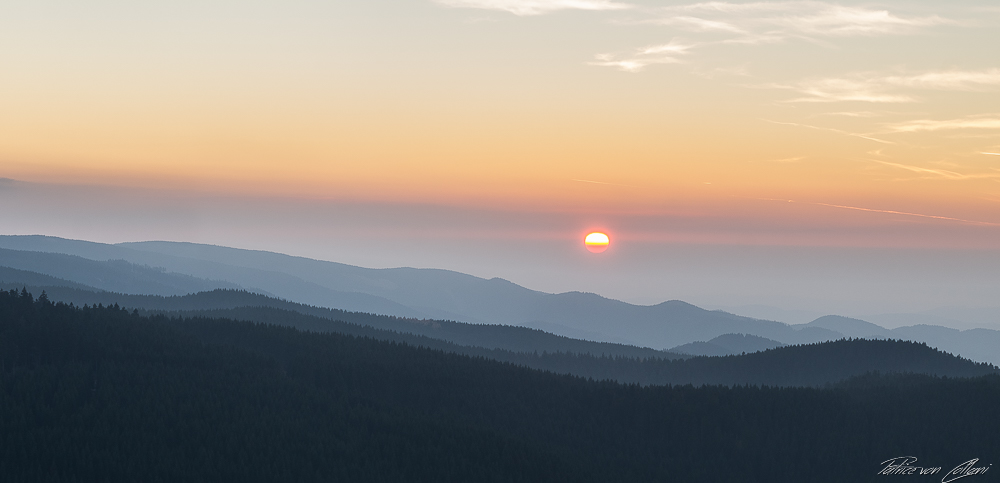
[(267, 281), (112, 275), (105, 395), (850, 327), (809, 365), (249, 307), (728, 344), (14, 278)]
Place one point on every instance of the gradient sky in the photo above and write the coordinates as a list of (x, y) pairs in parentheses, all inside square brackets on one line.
[(489, 135)]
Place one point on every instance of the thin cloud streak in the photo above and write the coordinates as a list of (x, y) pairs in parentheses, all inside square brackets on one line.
[(602, 182), (838, 131), (950, 124), (890, 212), (951, 175), (858, 114), (787, 160), (535, 7), (769, 23), (766, 22), (964, 80), (875, 88)]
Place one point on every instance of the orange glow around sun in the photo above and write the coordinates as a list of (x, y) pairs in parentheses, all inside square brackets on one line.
[(597, 242)]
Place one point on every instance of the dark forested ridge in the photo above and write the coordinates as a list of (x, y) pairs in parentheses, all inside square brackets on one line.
[(505, 337), (104, 394), (806, 365)]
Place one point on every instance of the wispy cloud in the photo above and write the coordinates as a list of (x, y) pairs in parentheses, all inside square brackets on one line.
[(535, 7), (641, 58), (881, 88), (904, 213), (965, 80), (842, 90), (768, 22), (939, 173), (990, 154), (838, 131), (602, 182), (722, 23), (919, 125), (859, 114), (888, 212), (787, 160)]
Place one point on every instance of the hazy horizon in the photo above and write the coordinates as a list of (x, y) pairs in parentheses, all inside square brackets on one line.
[(539, 252)]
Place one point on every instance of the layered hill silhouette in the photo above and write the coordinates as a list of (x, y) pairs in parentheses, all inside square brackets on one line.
[(808, 365), (446, 295), (244, 305), (728, 344), (113, 275)]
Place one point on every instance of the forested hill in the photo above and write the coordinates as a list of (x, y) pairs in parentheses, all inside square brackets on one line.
[(102, 394), (806, 365), (511, 338)]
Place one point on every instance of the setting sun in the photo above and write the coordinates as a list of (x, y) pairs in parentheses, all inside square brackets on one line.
[(597, 242)]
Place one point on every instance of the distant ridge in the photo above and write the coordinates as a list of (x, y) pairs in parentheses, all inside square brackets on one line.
[(112, 275), (728, 344)]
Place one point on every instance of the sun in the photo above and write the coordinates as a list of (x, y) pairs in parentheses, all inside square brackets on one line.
[(597, 242)]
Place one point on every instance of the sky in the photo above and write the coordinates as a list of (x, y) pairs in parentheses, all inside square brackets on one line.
[(821, 156)]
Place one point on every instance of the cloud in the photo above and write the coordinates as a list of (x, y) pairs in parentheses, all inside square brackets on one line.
[(893, 212), (948, 80), (787, 160), (704, 25), (843, 89), (535, 7), (768, 22), (881, 88), (646, 56), (838, 131), (889, 212), (859, 114), (725, 23), (939, 173), (919, 125)]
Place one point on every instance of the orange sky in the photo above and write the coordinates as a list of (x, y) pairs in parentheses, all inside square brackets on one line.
[(609, 108)]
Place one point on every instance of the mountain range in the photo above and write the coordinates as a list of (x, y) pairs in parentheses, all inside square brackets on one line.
[(173, 268)]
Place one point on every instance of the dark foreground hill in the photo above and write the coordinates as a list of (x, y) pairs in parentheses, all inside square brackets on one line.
[(107, 395)]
